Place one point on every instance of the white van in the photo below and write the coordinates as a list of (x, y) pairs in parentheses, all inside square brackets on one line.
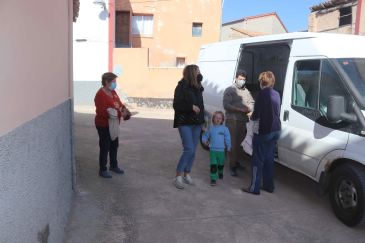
[(321, 79)]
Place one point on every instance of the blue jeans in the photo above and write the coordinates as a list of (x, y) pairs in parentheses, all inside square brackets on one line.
[(190, 135), (263, 161)]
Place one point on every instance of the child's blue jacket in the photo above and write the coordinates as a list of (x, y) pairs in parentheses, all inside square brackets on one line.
[(218, 136)]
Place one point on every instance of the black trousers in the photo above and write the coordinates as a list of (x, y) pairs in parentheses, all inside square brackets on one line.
[(106, 146)]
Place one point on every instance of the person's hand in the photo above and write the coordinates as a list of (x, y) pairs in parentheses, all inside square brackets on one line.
[(196, 109), (246, 110)]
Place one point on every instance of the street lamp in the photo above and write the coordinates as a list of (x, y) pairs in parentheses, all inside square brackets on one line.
[(101, 3)]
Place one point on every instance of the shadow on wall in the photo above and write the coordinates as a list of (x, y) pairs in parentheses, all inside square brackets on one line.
[(213, 97), (84, 92)]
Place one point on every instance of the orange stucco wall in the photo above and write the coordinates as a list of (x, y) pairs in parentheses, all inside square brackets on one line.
[(172, 38), (36, 51), (139, 80)]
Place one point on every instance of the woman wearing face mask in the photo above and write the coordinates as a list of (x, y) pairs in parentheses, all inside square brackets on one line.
[(105, 99), (238, 104), (189, 116)]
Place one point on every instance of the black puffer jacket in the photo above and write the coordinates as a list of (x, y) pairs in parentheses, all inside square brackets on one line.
[(184, 98)]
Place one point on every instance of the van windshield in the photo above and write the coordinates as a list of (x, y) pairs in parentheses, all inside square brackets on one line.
[(355, 69)]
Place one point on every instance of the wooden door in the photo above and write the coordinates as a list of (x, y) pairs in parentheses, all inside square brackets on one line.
[(122, 29)]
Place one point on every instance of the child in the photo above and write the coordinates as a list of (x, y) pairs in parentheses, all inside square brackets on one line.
[(218, 138)]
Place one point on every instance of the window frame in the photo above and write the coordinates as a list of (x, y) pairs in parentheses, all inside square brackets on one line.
[(345, 18), (142, 34), (177, 62), (293, 84), (194, 28)]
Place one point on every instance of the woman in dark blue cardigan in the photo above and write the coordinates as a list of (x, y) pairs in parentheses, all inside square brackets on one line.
[(266, 117)]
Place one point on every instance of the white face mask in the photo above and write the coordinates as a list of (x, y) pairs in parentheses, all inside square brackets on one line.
[(240, 82)]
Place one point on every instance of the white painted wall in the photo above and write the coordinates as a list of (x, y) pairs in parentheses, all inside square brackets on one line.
[(91, 57)]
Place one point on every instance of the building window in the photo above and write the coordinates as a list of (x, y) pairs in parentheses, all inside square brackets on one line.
[(142, 25), (197, 29), (122, 29), (345, 16), (180, 61)]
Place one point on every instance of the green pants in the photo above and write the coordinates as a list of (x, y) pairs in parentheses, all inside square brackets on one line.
[(216, 164)]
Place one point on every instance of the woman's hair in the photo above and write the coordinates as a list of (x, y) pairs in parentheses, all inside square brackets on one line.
[(267, 79), (189, 74), (107, 78), (241, 73), (216, 113)]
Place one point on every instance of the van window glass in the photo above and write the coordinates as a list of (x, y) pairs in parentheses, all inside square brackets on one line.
[(355, 70), (306, 84), (313, 82), (330, 84)]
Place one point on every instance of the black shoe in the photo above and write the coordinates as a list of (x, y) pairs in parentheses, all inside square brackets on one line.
[(117, 170), (240, 167), (220, 176), (234, 172), (213, 183), (249, 191), (269, 191), (105, 174)]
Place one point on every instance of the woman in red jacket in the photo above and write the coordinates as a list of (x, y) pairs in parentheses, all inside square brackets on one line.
[(106, 98)]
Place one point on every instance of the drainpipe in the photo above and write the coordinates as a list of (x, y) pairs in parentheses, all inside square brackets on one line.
[(71, 95), (358, 17), (111, 34), (220, 28)]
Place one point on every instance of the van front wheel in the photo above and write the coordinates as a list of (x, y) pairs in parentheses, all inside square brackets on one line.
[(347, 194)]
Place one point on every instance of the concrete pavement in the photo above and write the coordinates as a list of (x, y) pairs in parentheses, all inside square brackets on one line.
[(144, 206)]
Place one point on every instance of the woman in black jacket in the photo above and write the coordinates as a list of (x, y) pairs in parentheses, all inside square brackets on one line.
[(189, 116)]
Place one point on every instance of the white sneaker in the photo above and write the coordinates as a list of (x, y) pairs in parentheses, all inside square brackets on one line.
[(178, 182), (188, 180)]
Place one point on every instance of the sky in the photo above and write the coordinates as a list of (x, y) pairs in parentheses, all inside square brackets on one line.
[(293, 13)]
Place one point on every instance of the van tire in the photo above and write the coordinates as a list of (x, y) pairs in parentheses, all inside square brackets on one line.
[(347, 194), (205, 147)]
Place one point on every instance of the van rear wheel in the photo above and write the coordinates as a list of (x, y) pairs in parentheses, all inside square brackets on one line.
[(347, 194)]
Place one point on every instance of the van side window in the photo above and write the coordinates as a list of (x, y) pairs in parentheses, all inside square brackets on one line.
[(330, 84), (313, 82), (306, 84)]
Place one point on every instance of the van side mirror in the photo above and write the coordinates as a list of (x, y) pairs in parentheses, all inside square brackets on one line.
[(336, 110)]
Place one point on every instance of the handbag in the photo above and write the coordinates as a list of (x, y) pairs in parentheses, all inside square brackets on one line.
[(126, 114), (113, 123), (247, 142)]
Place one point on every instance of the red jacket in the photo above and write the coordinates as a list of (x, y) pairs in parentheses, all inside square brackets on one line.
[(102, 103)]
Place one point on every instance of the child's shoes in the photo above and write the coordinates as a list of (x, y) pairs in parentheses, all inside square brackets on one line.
[(213, 183)]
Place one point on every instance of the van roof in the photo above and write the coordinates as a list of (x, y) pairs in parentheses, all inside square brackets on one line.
[(286, 36), (304, 44)]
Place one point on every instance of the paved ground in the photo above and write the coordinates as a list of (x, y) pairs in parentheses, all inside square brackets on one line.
[(143, 205)]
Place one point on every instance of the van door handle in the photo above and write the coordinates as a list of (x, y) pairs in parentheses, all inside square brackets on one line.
[(286, 115)]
